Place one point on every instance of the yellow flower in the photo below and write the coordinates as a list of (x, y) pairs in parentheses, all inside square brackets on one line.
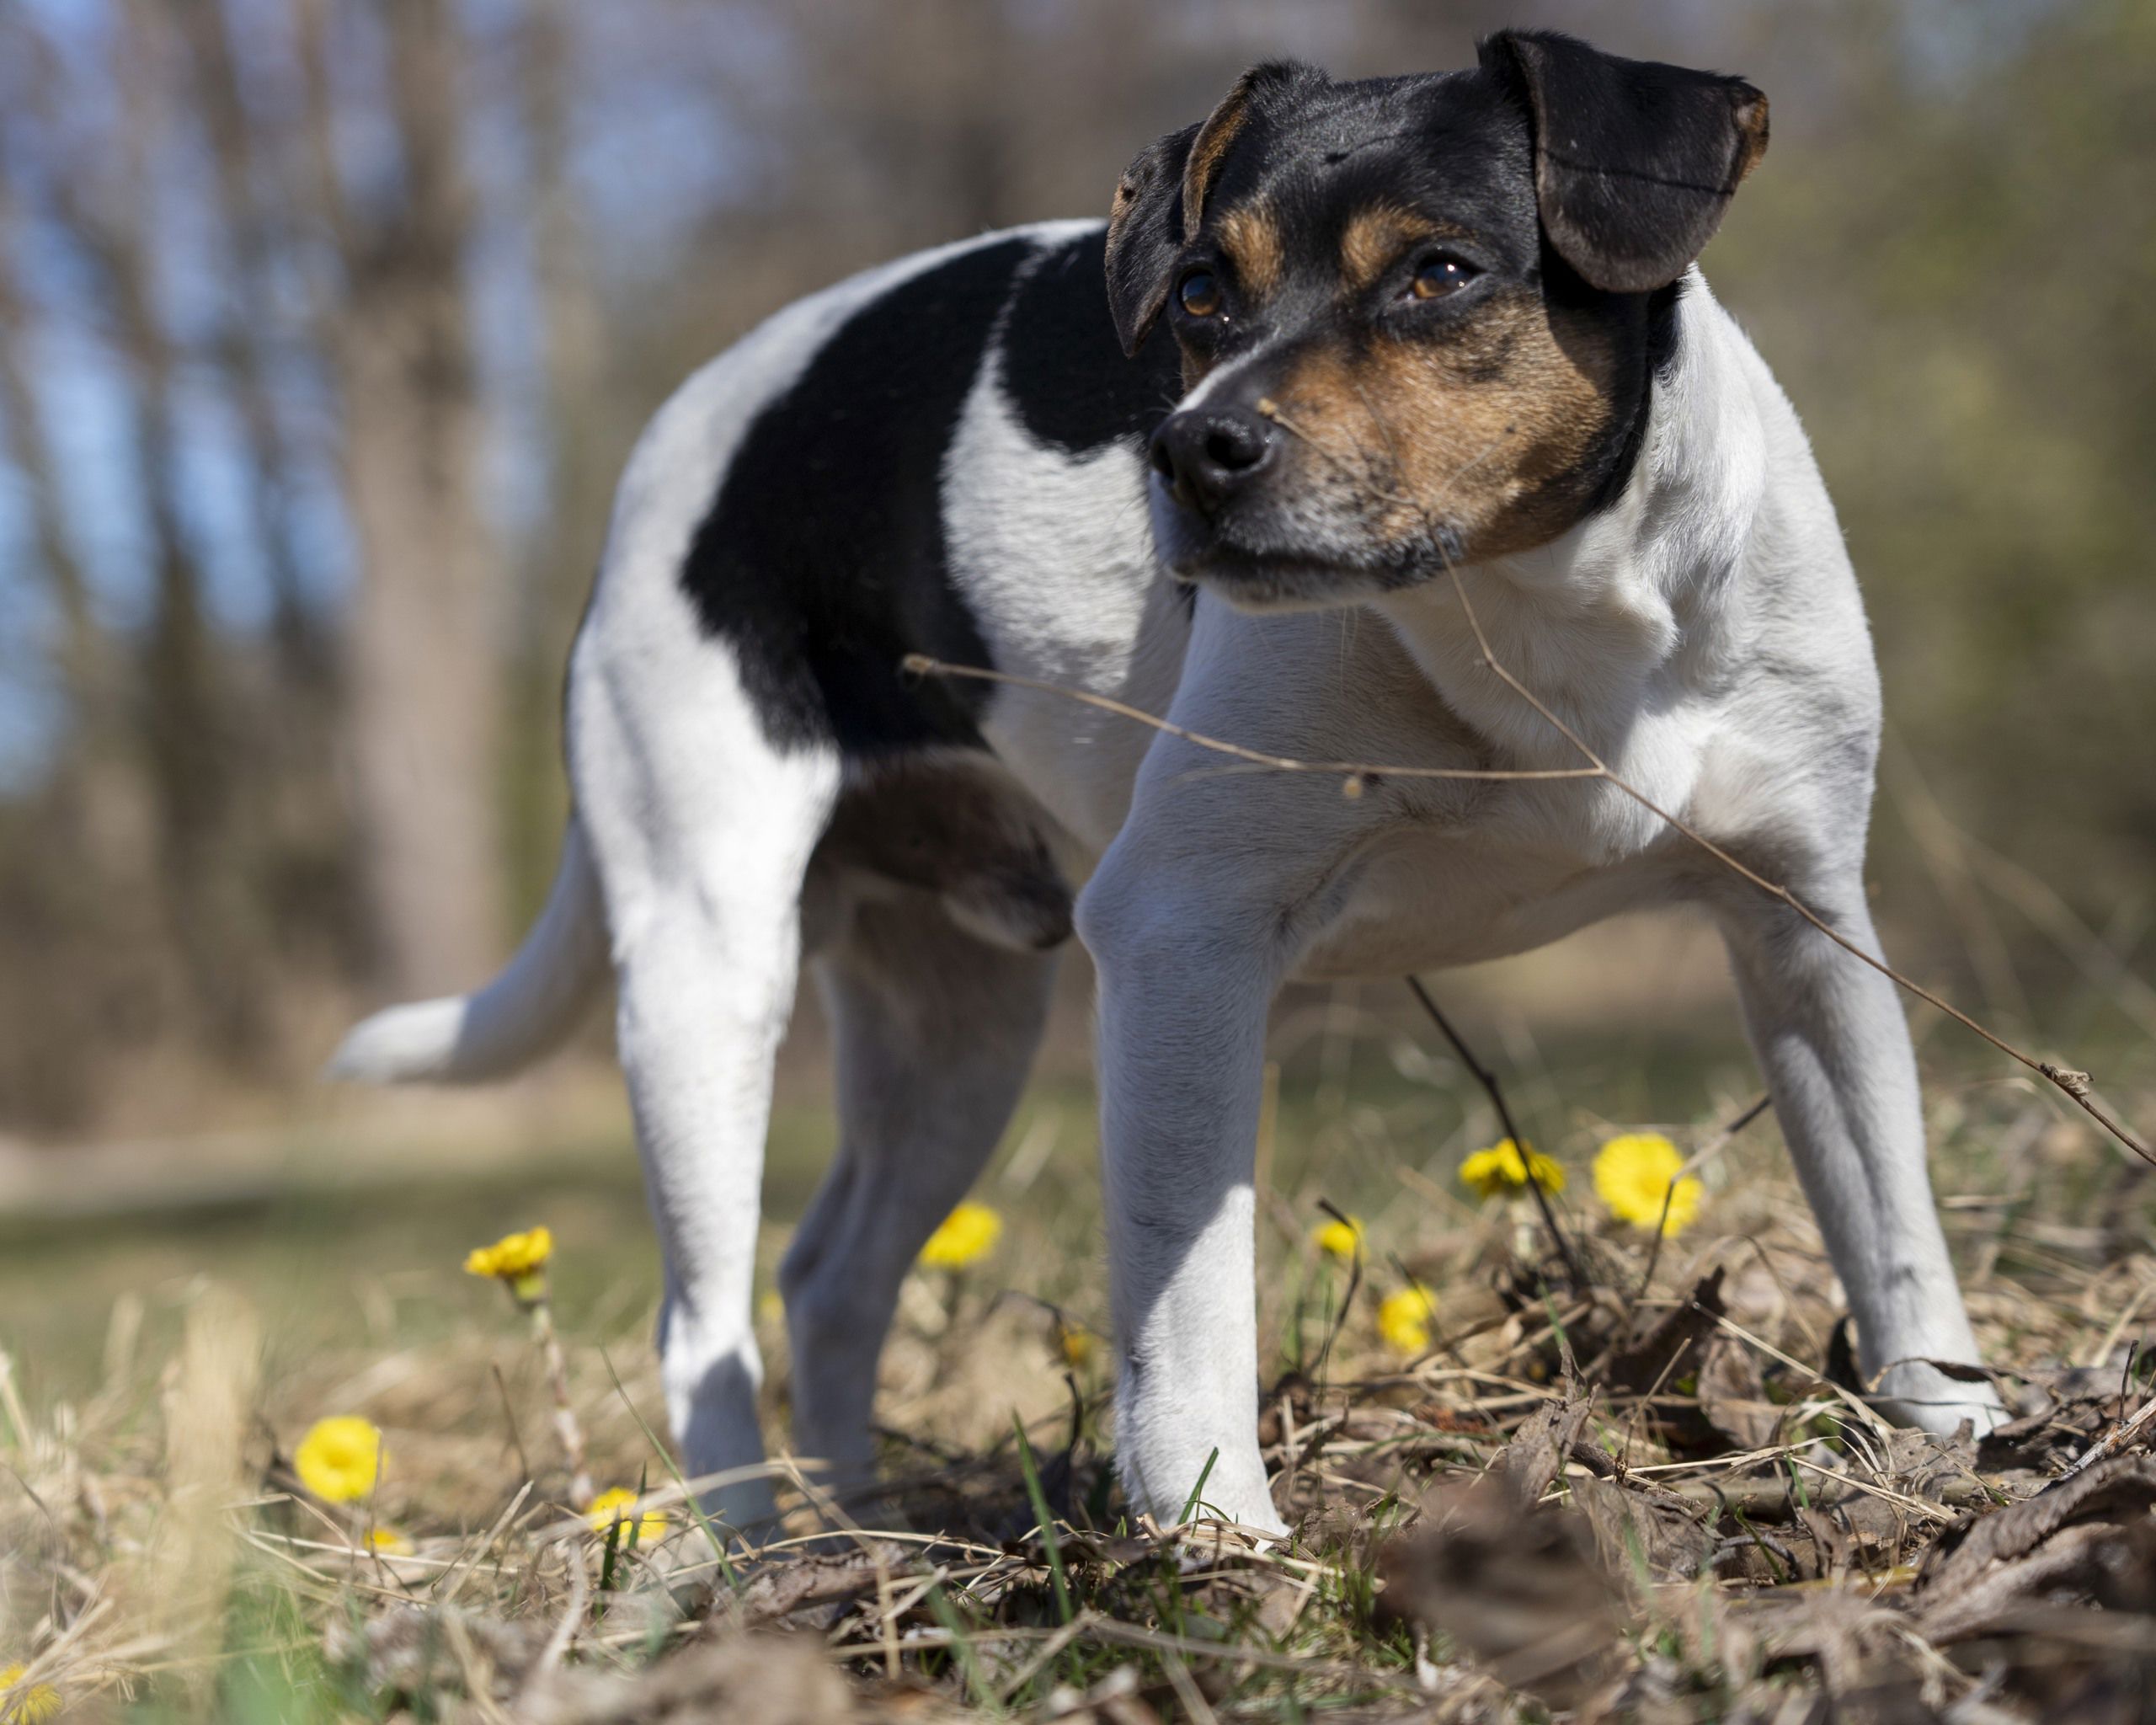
[(516, 1259), (965, 1236), (1340, 1239), (1632, 1175), (339, 1458), (40, 1701), (1404, 1319), (1493, 1173), (607, 1509), (387, 1543), (1079, 1345)]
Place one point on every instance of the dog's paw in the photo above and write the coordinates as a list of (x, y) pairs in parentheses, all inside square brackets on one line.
[(1923, 1396)]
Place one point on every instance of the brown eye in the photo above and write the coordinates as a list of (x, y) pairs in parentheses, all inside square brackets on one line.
[(1199, 294), (1440, 274)]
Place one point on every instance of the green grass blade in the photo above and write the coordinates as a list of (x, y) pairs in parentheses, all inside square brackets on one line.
[(680, 1479), (1038, 1499), (962, 1645), (1197, 1491)]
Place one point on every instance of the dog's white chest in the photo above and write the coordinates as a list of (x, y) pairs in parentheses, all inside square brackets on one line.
[(1423, 898)]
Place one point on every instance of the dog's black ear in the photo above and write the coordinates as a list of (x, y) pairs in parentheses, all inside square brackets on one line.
[(1160, 198), (1145, 234), (1634, 162)]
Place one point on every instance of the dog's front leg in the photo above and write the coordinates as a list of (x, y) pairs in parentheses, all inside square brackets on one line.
[(1183, 997), (1835, 1048)]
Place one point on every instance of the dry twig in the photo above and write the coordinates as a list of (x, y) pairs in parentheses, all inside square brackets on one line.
[(2073, 1082)]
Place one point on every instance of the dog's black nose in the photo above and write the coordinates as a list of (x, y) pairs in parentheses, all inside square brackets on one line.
[(1206, 453)]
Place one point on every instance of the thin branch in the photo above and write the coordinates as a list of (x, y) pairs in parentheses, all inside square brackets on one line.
[(1488, 1079), (1696, 1159), (213, 73), (1347, 1300), (921, 664), (86, 651), (324, 182), (2073, 1082), (2119, 1435)]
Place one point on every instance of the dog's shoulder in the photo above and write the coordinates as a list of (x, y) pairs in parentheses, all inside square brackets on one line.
[(1059, 363), (821, 558)]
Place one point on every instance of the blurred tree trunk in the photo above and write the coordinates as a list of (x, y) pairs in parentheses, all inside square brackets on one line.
[(84, 652), (96, 811), (189, 741), (423, 639), (579, 451), (254, 232), (924, 103), (299, 837)]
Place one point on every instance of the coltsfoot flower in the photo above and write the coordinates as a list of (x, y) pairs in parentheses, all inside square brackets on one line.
[(387, 1543), (1342, 1239), (609, 1507), (34, 1706), (1404, 1319), (1499, 1170), (340, 1458), (1632, 1176), (1079, 1345), (963, 1237), (518, 1259)]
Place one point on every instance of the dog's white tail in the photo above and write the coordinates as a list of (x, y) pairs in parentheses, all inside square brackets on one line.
[(523, 1013)]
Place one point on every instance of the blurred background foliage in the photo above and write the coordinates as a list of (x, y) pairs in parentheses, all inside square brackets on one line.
[(325, 326)]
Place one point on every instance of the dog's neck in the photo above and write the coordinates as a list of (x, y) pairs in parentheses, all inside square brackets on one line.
[(1637, 608)]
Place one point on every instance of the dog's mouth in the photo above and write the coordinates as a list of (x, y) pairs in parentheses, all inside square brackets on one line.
[(1292, 558)]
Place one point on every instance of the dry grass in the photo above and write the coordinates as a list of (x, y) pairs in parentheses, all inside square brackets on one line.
[(1602, 1501)]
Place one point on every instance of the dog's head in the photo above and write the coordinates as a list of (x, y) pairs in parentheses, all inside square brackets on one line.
[(1416, 314)]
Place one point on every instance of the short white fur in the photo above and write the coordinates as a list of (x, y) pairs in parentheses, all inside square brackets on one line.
[(1649, 629)]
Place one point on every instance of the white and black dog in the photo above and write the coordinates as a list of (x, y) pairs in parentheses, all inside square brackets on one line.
[(1219, 459)]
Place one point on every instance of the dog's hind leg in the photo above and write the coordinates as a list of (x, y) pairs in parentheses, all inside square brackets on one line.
[(936, 1030), (702, 829)]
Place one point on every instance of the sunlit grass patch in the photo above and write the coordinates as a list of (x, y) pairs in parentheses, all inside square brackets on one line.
[(1418, 1340)]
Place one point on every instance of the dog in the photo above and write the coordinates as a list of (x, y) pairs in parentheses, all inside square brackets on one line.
[(1361, 387)]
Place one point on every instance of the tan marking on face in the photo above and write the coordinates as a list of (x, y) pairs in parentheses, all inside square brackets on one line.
[(1751, 135), (1374, 238), (1251, 240), (1126, 191), (1484, 433), (1207, 150)]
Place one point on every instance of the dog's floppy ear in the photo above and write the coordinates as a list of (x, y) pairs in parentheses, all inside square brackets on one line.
[(1145, 234), (1161, 200), (1634, 161)]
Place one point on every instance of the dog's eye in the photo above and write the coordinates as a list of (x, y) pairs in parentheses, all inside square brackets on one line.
[(1440, 274), (1199, 293)]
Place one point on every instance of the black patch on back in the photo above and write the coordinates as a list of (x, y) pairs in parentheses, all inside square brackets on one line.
[(1063, 367), (821, 561)]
